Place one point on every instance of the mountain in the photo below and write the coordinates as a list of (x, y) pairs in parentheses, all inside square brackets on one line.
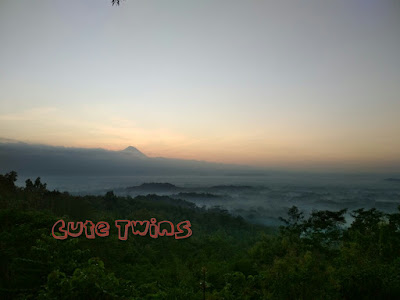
[(392, 179), (154, 187), (41, 160), (134, 152)]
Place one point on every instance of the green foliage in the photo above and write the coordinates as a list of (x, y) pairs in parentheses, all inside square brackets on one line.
[(310, 257), (89, 282)]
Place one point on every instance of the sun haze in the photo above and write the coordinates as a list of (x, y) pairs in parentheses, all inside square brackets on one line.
[(268, 83)]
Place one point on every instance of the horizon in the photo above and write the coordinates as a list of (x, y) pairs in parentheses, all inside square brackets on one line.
[(322, 168), (273, 85)]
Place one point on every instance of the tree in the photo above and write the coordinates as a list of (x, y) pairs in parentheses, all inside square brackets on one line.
[(115, 2), (324, 228), (90, 282), (7, 181), (110, 200)]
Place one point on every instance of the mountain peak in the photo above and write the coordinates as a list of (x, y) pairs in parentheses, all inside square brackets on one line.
[(130, 148), (133, 151)]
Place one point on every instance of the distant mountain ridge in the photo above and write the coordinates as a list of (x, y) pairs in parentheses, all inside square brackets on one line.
[(392, 179), (154, 187), (40, 160)]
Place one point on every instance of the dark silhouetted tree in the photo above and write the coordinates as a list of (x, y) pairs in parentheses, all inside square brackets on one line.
[(115, 2)]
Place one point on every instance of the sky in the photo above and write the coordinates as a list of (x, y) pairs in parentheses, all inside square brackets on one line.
[(295, 84)]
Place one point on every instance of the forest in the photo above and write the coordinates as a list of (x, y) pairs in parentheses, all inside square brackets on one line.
[(311, 256)]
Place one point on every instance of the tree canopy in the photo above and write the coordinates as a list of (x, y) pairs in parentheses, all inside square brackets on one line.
[(314, 256)]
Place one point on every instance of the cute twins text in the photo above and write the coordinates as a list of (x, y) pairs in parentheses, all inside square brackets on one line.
[(154, 229)]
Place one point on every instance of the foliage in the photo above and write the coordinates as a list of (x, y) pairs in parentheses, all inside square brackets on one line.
[(317, 256)]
